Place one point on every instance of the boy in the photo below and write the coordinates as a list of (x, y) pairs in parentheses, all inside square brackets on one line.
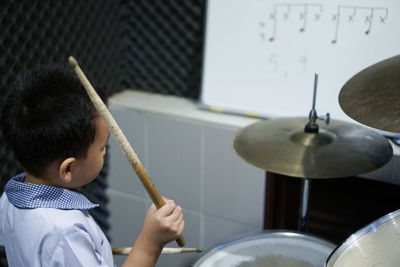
[(60, 140)]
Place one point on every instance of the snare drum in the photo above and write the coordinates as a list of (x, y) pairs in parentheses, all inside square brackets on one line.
[(377, 244), (269, 249)]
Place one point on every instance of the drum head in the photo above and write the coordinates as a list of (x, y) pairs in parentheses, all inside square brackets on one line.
[(274, 248), (377, 244)]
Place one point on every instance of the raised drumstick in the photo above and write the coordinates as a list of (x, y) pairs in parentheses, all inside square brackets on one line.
[(126, 250), (122, 141)]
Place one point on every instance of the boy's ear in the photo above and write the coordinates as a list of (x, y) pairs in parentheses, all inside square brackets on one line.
[(65, 169)]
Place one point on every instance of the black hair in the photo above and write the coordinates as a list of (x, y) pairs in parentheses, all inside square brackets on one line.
[(48, 116)]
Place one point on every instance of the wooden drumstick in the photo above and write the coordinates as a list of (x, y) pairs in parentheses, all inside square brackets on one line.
[(127, 250), (122, 141)]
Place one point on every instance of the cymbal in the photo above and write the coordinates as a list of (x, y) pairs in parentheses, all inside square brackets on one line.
[(372, 97), (341, 149)]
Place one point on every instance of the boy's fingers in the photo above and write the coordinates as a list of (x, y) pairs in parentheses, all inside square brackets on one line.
[(179, 219), (181, 227), (167, 209), (177, 212)]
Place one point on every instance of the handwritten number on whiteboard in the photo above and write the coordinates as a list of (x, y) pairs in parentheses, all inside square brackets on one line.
[(298, 67)]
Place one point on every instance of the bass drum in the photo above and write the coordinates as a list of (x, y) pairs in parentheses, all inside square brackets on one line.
[(269, 249), (377, 244)]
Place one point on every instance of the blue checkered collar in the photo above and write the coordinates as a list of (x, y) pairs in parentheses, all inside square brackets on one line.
[(27, 195)]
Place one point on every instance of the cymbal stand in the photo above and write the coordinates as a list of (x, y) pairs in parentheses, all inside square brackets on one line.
[(303, 212), (312, 128)]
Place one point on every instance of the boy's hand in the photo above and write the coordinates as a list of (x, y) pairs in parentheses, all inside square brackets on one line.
[(160, 227), (163, 225)]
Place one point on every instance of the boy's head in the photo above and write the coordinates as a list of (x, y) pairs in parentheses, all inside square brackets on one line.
[(47, 117)]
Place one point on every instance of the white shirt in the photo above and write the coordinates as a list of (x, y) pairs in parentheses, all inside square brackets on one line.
[(50, 236)]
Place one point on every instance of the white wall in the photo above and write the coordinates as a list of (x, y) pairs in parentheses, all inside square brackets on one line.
[(188, 154)]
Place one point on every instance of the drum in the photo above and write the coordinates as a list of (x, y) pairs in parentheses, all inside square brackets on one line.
[(377, 244), (269, 249)]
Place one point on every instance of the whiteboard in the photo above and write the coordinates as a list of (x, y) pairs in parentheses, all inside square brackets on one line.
[(260, 56)]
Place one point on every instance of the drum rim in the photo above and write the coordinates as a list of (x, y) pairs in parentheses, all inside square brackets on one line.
[(359, 234), (273, 233)]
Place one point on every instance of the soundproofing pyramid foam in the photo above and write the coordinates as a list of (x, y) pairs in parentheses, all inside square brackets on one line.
[(152, 45)]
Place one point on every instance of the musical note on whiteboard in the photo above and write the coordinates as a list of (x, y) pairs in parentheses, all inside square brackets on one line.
[(301, 9), (370, 13), (306, 11)]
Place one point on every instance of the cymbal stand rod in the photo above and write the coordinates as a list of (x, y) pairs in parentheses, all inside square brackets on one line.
[(312, 126), (313, 113), (303, 211)]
